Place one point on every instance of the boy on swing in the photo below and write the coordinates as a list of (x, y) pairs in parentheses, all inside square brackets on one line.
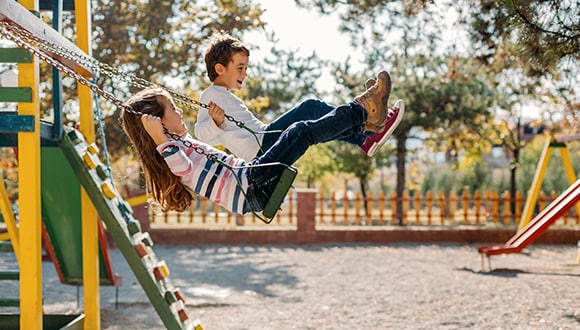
[(177, 167), (226, 61)]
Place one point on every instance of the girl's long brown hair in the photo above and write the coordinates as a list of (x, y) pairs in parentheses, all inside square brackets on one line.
[(166, 188)]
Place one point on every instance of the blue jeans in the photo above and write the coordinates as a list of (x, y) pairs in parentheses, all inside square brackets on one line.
[(310, 109), (340, 123)]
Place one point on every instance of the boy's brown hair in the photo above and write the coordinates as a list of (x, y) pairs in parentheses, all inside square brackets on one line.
[(222, 48)]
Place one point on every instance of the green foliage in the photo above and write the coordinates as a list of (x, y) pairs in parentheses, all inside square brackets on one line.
[(441, 178), (476, 176), (555, 179), (284, 79), (448, 92), (315, 163), (540, 33)]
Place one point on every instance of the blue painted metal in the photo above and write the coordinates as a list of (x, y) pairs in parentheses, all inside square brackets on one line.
[(11, 122)]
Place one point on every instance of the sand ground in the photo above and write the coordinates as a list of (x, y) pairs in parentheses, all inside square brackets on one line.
[(398, 286)]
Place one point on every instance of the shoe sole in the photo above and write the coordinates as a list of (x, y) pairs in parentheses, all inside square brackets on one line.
[(376, 145)]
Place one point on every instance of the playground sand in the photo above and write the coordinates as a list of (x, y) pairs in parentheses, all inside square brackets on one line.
[(397, 286)]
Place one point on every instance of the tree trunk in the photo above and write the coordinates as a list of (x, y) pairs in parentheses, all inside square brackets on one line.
[(401, 154), (363, 189)]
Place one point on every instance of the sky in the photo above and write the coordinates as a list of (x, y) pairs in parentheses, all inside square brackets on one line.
[(305, 31), (298, 28)]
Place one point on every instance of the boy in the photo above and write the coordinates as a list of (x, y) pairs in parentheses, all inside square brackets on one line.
[(227, 62)]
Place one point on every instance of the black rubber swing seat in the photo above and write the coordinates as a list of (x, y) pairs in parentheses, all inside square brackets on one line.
[(279, 193)]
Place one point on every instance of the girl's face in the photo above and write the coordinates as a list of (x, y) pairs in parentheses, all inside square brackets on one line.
[(172, 116), (233, 75)]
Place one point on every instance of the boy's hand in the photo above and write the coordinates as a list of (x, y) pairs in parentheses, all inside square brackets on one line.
[(216, 113), (154, 128)]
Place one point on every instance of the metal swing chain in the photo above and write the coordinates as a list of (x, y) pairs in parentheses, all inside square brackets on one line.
[(97, 66), (7, 31), (115, 72), (14, 34), (76, 76)]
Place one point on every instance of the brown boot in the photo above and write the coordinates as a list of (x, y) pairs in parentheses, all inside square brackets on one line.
[(375, 100), (370, 82)]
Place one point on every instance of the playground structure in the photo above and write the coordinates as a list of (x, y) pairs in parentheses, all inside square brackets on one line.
[(69, 187), (530, 230)]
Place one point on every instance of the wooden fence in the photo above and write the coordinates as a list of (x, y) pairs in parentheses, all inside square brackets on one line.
[(489, 208)]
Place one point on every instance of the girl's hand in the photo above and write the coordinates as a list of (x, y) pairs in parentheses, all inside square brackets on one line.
[(154, 128), (216, 113)]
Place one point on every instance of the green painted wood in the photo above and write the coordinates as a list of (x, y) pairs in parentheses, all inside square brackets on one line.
[(12, 123), (9, 302), (10, 275), (15, 55), (6, 247), (15, 94), (48, 4), (280, 192), (117, 215), (61, 215)]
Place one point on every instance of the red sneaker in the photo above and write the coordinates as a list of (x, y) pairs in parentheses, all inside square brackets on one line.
[(375, 141)]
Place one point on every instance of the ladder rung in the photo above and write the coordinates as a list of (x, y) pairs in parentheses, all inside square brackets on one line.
[(6, 246), (9, 275), (10, 302), (16, 123), (15, 94), (15, 55)]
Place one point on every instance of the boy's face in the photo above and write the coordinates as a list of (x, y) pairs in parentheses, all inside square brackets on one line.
[(233, 75)]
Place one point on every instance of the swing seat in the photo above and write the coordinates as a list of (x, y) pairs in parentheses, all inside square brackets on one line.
[(279, 193)]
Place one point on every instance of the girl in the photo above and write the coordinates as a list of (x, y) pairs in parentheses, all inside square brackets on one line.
[(177, 167)]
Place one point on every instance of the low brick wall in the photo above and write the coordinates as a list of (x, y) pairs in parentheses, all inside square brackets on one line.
[(306, 232)]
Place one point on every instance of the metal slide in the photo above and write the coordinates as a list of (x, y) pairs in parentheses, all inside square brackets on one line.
[(538, 225)]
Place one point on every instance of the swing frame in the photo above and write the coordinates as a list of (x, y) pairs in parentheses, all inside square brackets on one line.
[(67, 64)]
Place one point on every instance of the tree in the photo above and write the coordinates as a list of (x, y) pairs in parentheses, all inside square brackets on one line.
[(527, 50), (315, 162), (283, 79), (528, 45), (542, 34), (162, 42)]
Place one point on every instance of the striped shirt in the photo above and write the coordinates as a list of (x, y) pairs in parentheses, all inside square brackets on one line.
[(207, 178)]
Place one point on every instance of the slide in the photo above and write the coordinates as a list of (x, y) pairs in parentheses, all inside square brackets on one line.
[(135, 246), (61, 217), (538, 225)]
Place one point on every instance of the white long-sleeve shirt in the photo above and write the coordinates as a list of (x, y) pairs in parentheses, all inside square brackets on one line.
[(239, 141)]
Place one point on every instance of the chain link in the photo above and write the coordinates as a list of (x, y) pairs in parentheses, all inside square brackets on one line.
[(26, 40), (22, 40), (102, 68), (96, 66)]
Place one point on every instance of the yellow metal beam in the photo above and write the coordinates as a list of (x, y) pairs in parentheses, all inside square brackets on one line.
[(541, 170), (90, 235), (569, 167), (9, 219), (30, 249), (536, 185), (137, 200)]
